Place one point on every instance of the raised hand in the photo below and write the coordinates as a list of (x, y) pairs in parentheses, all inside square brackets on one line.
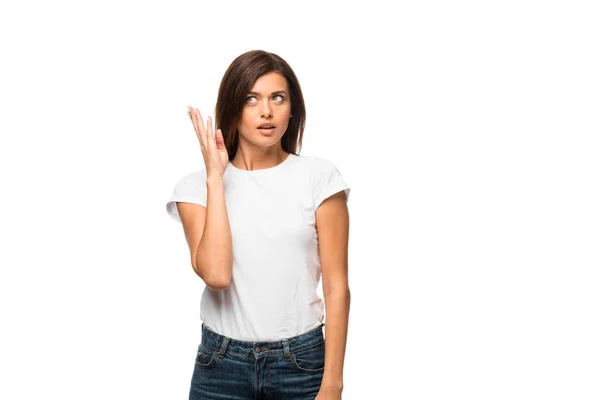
[(213, 149)]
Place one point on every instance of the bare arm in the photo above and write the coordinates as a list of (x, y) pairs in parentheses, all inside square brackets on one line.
[(333, 226), (215, 254), (207, 229), (208, 235)]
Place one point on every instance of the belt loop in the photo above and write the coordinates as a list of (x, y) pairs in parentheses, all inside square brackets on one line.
[(286, 349), (221, 352)]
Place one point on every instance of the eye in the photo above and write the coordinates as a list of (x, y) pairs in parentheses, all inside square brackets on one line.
[(280, 97), (250, 97)]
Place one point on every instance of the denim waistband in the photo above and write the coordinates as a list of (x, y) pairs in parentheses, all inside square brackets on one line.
[(223, 344)]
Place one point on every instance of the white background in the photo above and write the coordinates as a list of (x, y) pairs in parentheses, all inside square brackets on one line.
[(467, 131)]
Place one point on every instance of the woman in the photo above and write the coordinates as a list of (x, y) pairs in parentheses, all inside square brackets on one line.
[(262, 224)]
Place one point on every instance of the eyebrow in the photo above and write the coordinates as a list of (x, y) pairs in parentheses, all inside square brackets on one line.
[(277, 92)]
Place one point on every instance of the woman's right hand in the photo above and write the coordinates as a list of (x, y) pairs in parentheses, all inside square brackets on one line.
[(213, 149)]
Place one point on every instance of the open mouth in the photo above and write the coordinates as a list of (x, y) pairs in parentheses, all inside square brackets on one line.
[(266, 129)]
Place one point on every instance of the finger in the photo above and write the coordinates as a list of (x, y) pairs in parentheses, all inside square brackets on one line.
[(209, 134), (200, 126), (219, 139), (193, 117), (200, 121)]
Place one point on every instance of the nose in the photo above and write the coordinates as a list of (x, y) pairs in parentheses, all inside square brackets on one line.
[(265, 111)]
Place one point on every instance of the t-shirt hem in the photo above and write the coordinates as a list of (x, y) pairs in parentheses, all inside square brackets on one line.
[(331, 191), (172, 207)]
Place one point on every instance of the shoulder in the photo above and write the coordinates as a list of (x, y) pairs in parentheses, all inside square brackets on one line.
[(325, 179), (195, 178), (191, 183), (189, 188), (315, 163), (321, 166)]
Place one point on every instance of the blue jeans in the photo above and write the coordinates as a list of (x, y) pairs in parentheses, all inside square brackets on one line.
[(290, 369)]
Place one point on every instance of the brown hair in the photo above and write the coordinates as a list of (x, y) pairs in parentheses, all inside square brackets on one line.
[(238, 81)]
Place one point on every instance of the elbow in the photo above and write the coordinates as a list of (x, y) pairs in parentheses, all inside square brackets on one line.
[(213, 281), (218, 284)]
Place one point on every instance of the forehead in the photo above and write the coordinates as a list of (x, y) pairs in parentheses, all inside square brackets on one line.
[(270, 82)]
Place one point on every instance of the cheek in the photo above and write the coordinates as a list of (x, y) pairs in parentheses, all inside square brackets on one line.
[(246, 119), (285, 113), (245, 116)]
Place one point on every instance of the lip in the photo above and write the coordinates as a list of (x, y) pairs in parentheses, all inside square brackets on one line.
[(265, 124), (266, 131)]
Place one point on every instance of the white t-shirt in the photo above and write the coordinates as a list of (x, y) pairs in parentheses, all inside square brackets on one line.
[(276, 263)]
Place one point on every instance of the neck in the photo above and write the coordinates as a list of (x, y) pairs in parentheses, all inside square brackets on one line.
[(253, 160)]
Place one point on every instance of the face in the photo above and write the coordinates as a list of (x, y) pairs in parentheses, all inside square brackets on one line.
[(268, 102)]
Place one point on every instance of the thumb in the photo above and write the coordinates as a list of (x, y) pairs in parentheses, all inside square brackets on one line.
[(219, 140)]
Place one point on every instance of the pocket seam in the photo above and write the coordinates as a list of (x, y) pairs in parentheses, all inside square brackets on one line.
[(209, 364), (308, 371)]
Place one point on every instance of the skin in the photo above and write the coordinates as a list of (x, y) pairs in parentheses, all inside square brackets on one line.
[(333, 226), (212, 146), (268, 102), (271, 104)]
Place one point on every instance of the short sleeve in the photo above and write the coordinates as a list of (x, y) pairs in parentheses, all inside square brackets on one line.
[(326, 181), (186, 190)]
